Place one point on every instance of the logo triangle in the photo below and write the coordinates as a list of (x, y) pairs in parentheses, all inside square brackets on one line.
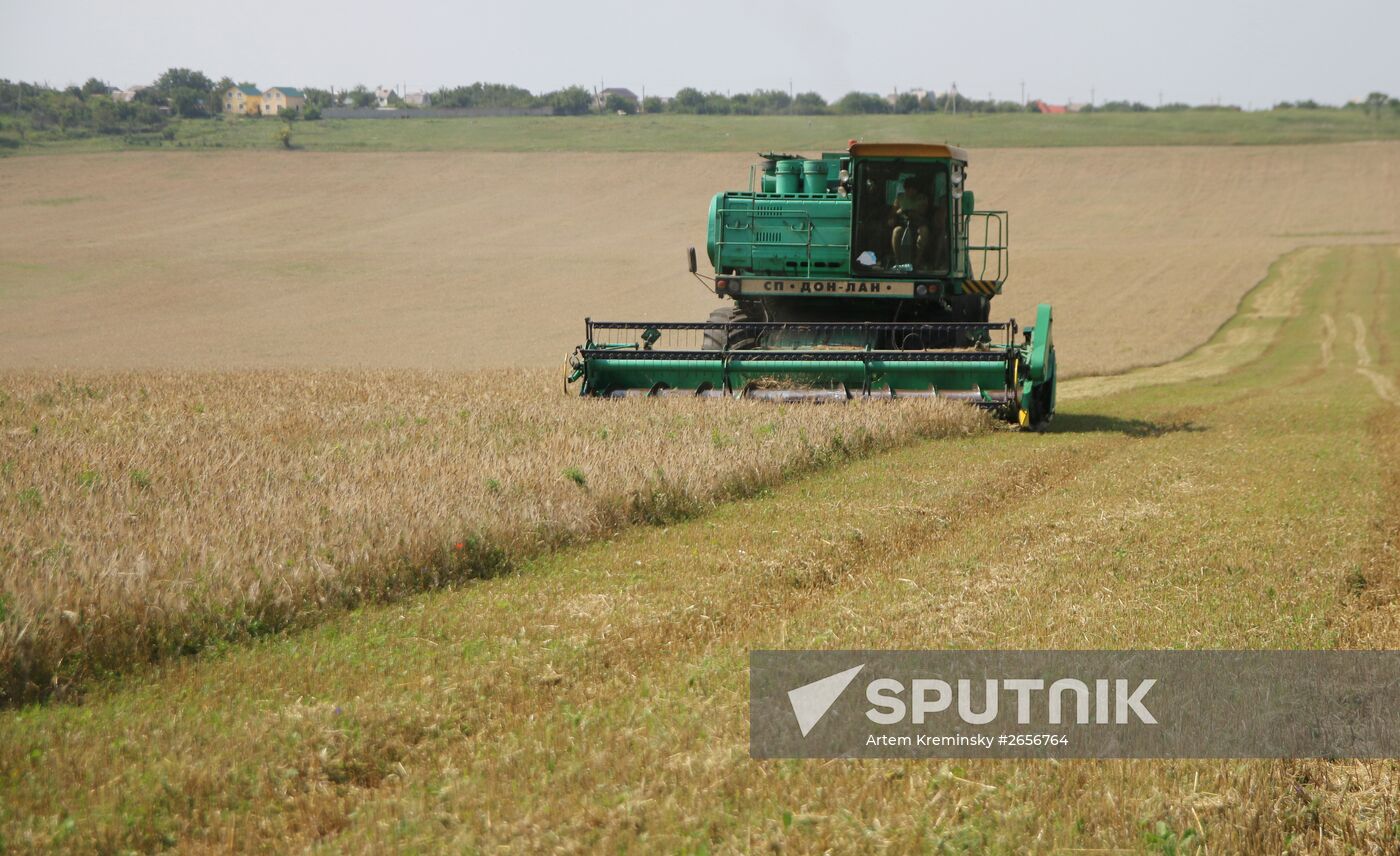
[(810, 702)]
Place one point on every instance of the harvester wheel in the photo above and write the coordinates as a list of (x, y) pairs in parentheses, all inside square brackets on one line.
[(733, 313), (971, 308)]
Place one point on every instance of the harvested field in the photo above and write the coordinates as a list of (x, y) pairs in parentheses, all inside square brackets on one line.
[(153, 513), (597, 699), (466, 260)]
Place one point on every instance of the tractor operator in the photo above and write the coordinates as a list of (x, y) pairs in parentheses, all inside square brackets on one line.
[(911, 210)]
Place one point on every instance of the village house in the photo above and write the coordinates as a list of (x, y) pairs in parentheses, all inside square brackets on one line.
[(128, 95), (918, 93), (600, 101), (280, 98), (243, 100)]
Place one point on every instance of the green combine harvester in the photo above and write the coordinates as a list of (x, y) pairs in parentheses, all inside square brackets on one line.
[(860, 274)]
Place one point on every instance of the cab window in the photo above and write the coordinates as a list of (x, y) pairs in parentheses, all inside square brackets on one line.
[(902, 225)]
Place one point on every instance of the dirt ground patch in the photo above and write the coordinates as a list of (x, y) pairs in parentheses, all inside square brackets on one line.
[(450, 260)]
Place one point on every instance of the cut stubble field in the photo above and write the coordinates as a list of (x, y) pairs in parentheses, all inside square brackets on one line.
[(484, 260)]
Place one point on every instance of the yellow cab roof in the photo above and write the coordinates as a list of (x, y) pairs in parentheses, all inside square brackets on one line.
[(907, 150)]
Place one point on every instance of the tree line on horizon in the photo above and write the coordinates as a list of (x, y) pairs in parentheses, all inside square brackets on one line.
[(189, 94), (577, 100)]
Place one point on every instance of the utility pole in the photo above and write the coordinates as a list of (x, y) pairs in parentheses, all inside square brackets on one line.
[(1023, 92), (1091, 97)]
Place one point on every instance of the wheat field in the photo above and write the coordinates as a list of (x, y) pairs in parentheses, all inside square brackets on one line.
[(232, 391), (153, 513), (241, 393)]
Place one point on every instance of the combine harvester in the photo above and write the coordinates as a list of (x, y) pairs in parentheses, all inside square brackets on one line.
[(863, 274)]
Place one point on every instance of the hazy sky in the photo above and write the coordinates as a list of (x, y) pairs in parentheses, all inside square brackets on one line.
[(1246, 52)]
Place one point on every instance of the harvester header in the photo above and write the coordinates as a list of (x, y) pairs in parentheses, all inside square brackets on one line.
[(857, 274)]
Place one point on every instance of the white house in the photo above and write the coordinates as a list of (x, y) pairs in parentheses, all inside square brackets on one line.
[(918, 93), (601, 99), (129, 94)]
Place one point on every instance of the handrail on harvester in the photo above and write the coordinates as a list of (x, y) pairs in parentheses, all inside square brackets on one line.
[(995, 245)]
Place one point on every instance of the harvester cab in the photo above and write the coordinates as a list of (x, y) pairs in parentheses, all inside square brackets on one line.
[(867, 273)]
